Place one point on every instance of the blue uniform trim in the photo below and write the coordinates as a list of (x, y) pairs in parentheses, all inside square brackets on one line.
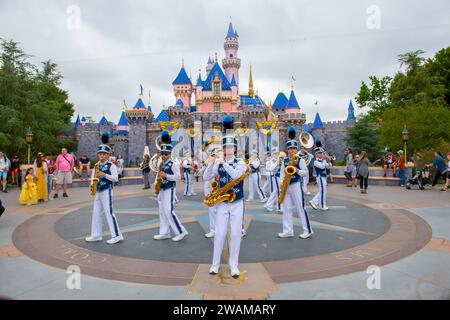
[(174, 217), (278, 192), (259, 186), (116, 229), (186, 188), (321, 191), (304, 209)]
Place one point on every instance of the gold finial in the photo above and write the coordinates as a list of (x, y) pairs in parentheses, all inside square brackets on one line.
[(149, 96), (182, 62), (251, 93)]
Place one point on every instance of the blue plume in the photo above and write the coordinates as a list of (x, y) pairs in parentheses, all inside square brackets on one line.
[(165, 137), (291, 133), (227, 123), (105, 137), (318, 143)]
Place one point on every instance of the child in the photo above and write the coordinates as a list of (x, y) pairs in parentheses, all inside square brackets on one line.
[(28, 196)]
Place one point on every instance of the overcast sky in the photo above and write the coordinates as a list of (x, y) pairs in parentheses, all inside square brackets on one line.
[(326, 45)]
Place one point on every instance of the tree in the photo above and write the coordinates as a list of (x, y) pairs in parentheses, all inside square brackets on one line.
[(374, 96), (427, 125), (30, 98), (364, 136)]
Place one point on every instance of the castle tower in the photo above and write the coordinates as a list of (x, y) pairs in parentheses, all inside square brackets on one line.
[(182, 87), (231, 63)]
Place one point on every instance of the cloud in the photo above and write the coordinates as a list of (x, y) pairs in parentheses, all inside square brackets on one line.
[(326, 45)]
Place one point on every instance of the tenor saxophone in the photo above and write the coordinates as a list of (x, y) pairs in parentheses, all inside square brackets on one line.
[(225, 193), (289, 172), (159, 181), (95, 179)]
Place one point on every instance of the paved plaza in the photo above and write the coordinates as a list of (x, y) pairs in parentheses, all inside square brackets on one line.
[(404, 233)]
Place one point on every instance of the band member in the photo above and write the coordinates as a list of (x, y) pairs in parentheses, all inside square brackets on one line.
[(321, 164), (294, 198), (212, 211), (228, 168), (169, 174), (273, 169), (304, 154), (255, 179), (103, 202), (188, 170)]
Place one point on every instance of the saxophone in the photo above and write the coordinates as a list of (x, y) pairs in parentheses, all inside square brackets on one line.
[(225, 193), (158, 183), (95, 179), (289, 172)]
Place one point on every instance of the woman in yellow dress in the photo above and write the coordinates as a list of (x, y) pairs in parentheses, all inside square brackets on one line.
[(40, 171), (28, 196)]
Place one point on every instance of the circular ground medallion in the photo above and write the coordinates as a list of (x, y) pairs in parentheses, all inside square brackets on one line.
[(347, 238)]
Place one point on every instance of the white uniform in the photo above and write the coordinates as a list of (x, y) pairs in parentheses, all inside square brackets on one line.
[(103, 204), (166, 199), (255, 182), (272, 168), (306, 178), (294, 199), (320, 167), (232, 213), (212, 211), (189, 187)]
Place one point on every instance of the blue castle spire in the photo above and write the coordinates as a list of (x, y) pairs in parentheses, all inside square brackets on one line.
[(139, 104), (317, 122), (78, 121), (233, 81), (351, 111), (103, 121), (231, 32), (182, 77), (280, 102), (292, 103), (122, 126)]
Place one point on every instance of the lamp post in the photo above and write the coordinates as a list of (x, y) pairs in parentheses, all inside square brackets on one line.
[(29, 139), (405, 138)]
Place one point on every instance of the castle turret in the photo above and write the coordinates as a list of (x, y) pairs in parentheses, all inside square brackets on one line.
[(292, 105), (182, 86), (231, 63), (122, 126), (209, 65), (318, 124)]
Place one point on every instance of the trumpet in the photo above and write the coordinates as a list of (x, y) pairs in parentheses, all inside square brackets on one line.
[(95, 179)]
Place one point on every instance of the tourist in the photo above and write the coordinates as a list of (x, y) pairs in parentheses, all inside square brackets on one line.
[(2, 208), (145, 167), (390, 162), (64, 164), (28, 196), (447, 181), (401, 167), (439, 164), (4, 168), (355, 173), (51, 169), (348, 166), (363, 172), (15, 171), (120, 167), (40, 173), (85, 165)]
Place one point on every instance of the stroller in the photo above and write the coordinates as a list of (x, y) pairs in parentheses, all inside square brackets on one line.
[(421, 178)]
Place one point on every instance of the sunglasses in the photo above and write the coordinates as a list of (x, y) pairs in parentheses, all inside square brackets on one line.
[(165, 153)]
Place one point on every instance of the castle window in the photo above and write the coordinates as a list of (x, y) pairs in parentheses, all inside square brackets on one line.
[(216, 87), (217, 107), (231, 55)]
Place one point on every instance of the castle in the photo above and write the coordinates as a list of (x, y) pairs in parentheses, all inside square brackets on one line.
[(216, 95)]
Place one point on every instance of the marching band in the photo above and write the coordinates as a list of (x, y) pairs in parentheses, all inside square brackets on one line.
[(223, 174)]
